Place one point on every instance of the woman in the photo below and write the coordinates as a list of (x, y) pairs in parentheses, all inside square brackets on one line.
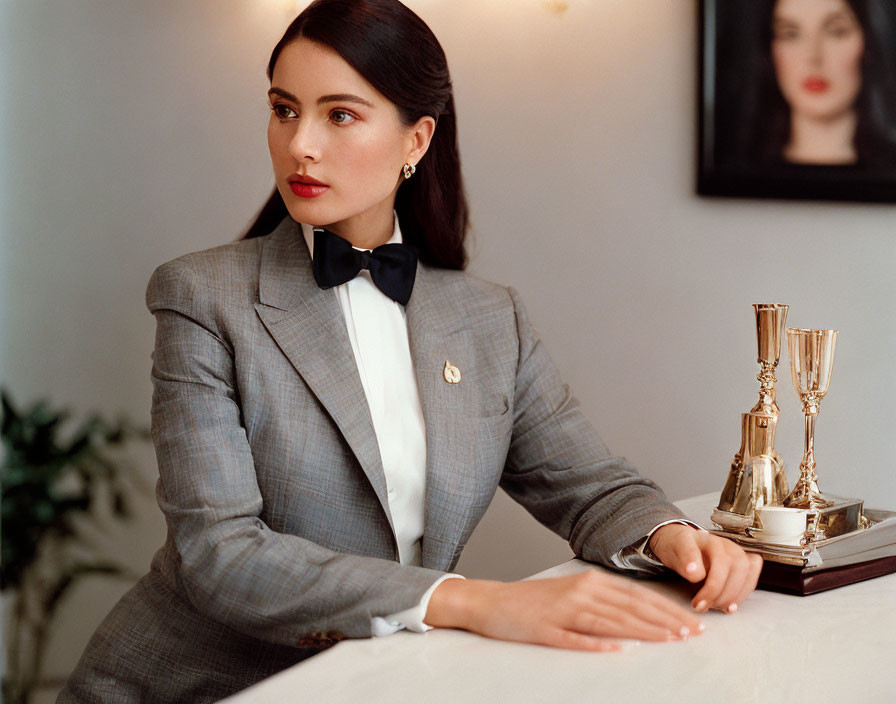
[(327, 444), (826, 95)]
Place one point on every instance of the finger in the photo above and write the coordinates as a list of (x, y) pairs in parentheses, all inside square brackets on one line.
[(752, 579), (650, 607), (613, 622), (738, 574), (687, 558), (742, 580), (672, 618), (717, 575), (572, 640), (613, 595)]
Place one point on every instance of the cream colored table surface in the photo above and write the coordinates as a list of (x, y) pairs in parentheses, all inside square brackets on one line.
[(834, 646)]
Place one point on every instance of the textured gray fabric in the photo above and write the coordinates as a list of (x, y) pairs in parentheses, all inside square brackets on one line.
[(270, 478)]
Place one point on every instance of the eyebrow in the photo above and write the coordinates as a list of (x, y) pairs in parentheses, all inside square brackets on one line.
[(784, 23), (334, 98), (838, 15), (833, 16)]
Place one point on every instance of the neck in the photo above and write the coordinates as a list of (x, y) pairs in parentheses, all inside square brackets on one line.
[(814, 141), (369, 229)]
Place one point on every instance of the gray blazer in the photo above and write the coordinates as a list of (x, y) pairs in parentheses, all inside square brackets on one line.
[(280, 540)]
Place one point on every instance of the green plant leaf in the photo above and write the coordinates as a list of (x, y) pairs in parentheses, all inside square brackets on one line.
[(46, 480)]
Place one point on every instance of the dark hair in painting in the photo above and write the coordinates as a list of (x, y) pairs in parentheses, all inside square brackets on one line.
[(397, 53)]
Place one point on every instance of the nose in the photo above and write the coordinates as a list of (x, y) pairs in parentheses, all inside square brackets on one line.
[(305, 142), (816, 50)]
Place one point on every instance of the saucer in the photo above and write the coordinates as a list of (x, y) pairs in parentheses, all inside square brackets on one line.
[(776, 538)]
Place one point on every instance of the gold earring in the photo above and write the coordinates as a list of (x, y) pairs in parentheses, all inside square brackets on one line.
[(408, 170)]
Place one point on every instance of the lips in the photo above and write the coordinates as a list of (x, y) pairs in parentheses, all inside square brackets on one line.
[(306, 187), (816, 84)]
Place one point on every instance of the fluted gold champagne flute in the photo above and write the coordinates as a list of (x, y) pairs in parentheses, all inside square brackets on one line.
[(811, 364)]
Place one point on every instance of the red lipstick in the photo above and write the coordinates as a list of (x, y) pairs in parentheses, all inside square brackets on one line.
[(306, 187), (816, 84)]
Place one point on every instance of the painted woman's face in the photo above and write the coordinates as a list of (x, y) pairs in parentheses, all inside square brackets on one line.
[(337, 144), (817, 49)]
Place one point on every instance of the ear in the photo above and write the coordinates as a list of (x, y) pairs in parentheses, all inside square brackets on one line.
[(420, 135)]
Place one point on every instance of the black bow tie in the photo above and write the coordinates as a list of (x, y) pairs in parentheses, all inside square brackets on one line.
[(392, 266)]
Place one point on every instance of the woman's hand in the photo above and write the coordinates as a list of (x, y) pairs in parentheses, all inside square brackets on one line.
[(586, 611), (730, 572)]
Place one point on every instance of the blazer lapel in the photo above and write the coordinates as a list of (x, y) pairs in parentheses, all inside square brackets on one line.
[(307, 324), (438, 335)]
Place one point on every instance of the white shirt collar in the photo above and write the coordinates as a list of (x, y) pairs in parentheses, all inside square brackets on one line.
[(308, 233)]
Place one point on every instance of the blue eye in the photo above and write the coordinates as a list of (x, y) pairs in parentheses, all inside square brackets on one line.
[(284, 112), (342, 117)]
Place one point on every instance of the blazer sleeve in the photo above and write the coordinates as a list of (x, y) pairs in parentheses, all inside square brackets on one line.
[(232, 567), (559, 469)]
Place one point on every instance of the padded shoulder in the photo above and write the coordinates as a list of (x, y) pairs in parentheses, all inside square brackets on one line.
[(230, 271)]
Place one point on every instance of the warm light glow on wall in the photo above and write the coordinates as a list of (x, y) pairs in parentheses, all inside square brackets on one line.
[(557, 5), (296, 6), (292, 7)]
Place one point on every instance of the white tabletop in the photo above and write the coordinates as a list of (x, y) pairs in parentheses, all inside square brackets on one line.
[(837, 645)]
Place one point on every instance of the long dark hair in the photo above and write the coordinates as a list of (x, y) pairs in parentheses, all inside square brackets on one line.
[(395, 51), (769, 123)]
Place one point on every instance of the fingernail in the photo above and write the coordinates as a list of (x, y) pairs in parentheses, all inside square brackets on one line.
[(684, 632), (732, 608), (701, 627), (692, 567), (701, 605)]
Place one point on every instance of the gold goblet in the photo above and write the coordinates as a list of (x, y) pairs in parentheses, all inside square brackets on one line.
[(757, 477), (811, 364), (770, 319)]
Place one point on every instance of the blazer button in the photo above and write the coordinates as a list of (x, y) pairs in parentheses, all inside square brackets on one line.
[(312, 640), (319, 639)]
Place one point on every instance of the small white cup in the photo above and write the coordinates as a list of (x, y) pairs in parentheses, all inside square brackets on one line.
[(781, 522)]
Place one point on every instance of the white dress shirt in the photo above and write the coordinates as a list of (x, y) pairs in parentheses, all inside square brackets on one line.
[(378, 332)]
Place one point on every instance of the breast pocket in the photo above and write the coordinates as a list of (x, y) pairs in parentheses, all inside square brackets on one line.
[(495, 417), (495, 406), (491, 442)]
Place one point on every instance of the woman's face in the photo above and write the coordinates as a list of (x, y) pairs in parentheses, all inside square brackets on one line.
[(817, 49), (337, 144)]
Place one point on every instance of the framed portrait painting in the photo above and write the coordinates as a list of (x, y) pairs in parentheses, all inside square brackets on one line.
[(798, 99)]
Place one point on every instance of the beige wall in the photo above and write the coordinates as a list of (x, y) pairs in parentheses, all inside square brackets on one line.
[(134, 132)]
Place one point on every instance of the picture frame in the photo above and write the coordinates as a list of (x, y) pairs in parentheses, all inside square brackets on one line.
[(746, 125)]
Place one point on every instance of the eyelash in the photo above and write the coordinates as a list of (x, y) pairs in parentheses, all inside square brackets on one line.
[(343, 112), (279, 108), (840, 31)]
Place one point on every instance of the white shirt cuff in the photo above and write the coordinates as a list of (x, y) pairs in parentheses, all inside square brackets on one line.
[(411, 618), (638, 556)]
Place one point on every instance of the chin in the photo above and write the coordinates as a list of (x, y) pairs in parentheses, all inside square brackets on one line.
[(827, 115), (306, 213)]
